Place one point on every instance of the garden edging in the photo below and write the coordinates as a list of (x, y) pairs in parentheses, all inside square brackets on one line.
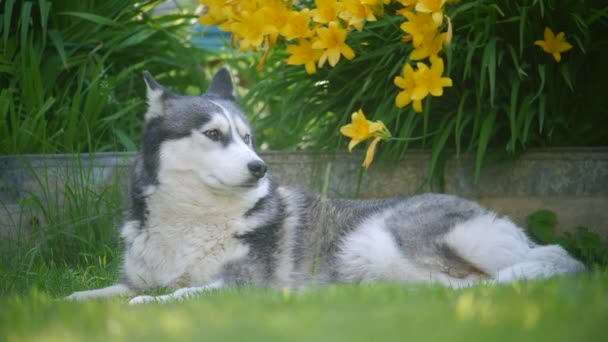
[(573, 182)]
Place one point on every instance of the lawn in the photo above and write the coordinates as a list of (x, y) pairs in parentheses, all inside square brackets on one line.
[(563, 308)]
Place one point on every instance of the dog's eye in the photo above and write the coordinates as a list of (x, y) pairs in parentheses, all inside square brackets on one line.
[(213, 134), (247, 138)]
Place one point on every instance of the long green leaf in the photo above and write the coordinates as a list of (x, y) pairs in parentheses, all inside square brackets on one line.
[(92, 18)]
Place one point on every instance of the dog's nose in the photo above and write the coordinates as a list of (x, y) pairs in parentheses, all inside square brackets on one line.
[(257, 168)]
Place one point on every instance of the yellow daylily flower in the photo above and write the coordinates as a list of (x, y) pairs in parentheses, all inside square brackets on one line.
[(430, 46), (418, 25), (375, 2), (298, 25), (218, 12), (276, 17), (434, 7), (332, 40), (553, 44), (325, 11), (420, 83), (408, 84), (408, 6), (303, 54), (429, 80), (355, 12), (361, 129), (250, 30)]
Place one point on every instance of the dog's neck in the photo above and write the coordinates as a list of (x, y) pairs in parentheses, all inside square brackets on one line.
[(186, 195)]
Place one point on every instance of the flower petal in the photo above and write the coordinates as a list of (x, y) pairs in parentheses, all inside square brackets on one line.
[(310, 68), (403, 99), (333, 56), (557, 56), (417, 106), (352, 144), (371, 150), (347, 51)]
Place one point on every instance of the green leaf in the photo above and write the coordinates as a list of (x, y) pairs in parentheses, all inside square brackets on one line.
[(92, 18), (564, 70), (541, 225), (26, 17), (57, 41), (7, 15)]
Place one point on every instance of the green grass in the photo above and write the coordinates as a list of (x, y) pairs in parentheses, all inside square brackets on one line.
[(559, 309)]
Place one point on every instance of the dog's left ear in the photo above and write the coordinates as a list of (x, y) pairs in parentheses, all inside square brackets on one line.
[(157, 95), (221, 84)]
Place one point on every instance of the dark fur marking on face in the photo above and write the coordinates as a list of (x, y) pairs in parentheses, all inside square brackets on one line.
[(158, 130)]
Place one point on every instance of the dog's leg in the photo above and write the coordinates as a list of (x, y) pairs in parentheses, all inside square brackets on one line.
[(502, 250), (181, 294), (541, 262), (110, 291)]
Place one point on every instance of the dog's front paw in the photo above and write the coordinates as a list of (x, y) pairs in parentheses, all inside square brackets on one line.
[(78, 296), (142, 300)]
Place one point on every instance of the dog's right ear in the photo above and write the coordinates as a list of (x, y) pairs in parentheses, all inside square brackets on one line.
[(157, 95)]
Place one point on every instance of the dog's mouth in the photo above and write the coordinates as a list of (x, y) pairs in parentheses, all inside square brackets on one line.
[(250, 183)]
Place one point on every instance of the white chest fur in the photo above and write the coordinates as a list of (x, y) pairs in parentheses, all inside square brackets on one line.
[(186, 239)]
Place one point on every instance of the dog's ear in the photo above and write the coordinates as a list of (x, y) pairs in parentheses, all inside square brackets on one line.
[(221, 85), (157, 95)]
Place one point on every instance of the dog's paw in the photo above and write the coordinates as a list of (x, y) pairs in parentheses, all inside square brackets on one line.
[(142, 300), (77, 296)]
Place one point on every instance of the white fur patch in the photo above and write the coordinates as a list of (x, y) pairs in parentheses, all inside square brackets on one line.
[(110, 291), (189, 233), (370, 253), (502, 250), (155, 103), (541, 262), (489, 243), (180, 294), (285, 263), (129, 231)]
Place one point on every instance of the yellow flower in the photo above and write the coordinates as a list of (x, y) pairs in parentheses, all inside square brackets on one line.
[(418, 84), (408, 5), (250, 30), (331, 39), (418, 26), (429, 81), (554, 45), (374, 3), (407, 84), (361, 129), (435, 7), (276, 17), (298, 25), (355, 12), (325, 11), (430, 46), (218, 12), (303, 54)]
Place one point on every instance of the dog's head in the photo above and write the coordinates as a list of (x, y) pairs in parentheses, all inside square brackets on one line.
[(205, 135)]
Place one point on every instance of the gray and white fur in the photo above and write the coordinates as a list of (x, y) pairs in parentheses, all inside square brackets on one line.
[(205, 214)]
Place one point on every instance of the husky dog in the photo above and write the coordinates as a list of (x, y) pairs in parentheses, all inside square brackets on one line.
[(204, 213)]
